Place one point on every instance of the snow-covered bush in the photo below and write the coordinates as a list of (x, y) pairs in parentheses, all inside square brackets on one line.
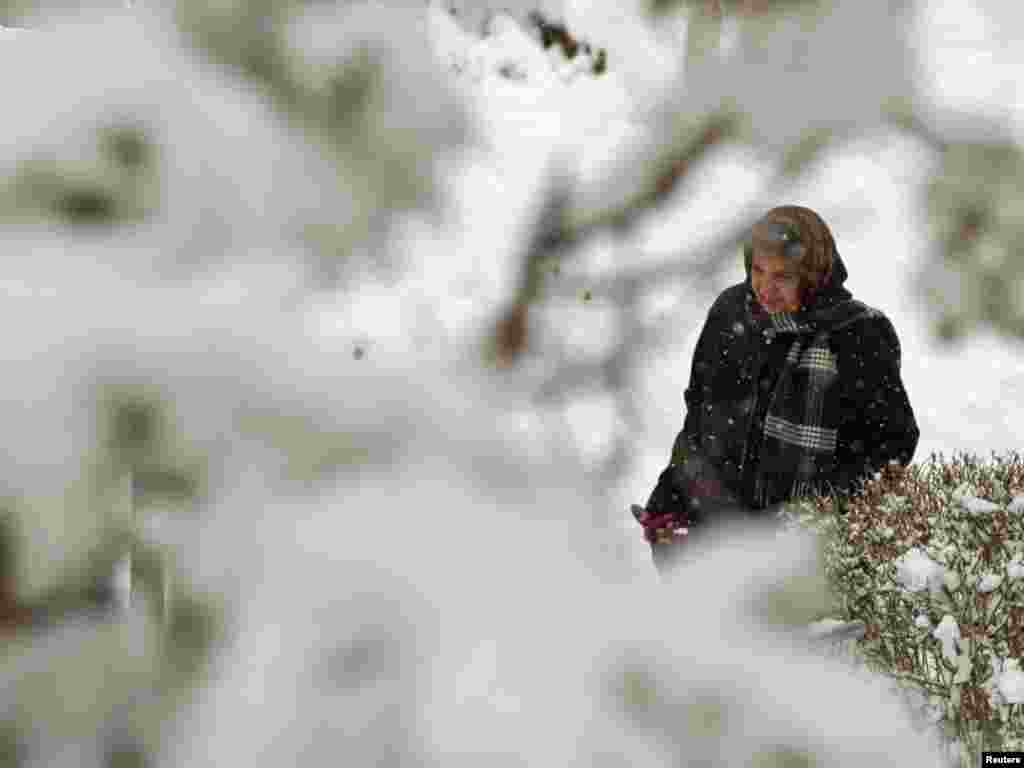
[(928, 558)]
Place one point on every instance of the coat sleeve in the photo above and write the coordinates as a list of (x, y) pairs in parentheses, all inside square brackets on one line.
[(688, 439), (876, 421)]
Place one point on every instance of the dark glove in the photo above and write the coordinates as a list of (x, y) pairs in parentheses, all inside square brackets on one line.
[(666, 519), (666, 537), (669, 497)]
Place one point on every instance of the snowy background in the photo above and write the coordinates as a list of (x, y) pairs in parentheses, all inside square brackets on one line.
[(443, 480), (966, 396)]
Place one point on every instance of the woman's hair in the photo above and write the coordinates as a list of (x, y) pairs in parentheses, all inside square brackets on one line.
[(801, 237)]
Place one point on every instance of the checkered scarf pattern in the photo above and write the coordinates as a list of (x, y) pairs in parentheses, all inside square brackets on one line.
[(797, 429)]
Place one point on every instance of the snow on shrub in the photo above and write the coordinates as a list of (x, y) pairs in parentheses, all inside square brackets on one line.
[(925, 548)]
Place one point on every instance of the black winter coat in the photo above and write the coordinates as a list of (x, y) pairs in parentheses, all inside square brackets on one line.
[(733, 380)]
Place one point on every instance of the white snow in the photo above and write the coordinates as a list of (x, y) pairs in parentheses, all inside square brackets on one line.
[(531, 112), (974, 505), (876, 223), (917, 572), (1010, 680), (1015, 568), (948, 633), (990, 581)]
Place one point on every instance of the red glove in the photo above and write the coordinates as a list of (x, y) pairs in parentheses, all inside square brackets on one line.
[(659, 529)]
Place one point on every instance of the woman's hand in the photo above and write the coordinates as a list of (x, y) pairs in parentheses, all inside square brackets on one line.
[(659, 528)]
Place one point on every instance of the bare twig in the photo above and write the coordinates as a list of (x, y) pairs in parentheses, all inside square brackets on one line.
[(717, 128), (701, 263)]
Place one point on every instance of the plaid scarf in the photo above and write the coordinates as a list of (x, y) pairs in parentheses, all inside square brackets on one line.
[(798, 433)]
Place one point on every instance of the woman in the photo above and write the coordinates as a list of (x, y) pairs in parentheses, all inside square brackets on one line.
[(795, 388)]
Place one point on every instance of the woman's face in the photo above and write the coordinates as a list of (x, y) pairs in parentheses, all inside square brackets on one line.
[(776, 283)]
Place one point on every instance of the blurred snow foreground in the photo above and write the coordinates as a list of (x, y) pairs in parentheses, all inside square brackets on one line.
[(403, 580)]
